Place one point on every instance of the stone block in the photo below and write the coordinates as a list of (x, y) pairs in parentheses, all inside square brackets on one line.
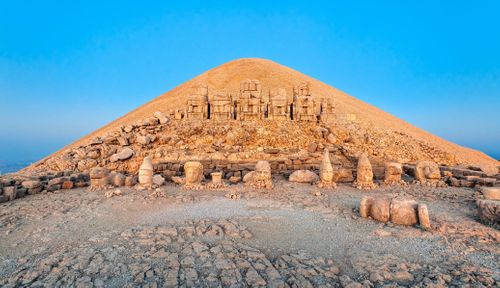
[(404, 212)]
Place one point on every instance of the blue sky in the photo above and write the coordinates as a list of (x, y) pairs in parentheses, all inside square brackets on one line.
[(67, 68)]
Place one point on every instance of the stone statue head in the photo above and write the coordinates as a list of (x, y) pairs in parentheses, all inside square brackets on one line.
[(263, 171), (326, 169), (194, 172)]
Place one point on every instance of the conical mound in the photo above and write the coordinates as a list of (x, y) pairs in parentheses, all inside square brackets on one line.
[(359, 126)]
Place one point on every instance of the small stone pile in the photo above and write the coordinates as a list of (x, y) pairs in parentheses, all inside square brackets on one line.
[(18, 186)]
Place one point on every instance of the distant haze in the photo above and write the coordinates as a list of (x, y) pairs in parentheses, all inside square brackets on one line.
[(67, 69)]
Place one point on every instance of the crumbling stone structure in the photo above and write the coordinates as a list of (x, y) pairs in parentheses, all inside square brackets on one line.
[(278, 105), (327, 112), (304, 107), (197, 106), (251, 105), (221, 107)]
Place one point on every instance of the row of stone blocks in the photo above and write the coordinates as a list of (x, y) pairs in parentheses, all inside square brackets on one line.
[(17, 187)]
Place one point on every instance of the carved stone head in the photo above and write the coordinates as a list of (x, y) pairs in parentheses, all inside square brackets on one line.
[(194, 172)]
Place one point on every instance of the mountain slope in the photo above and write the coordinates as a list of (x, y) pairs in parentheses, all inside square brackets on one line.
[(272, 75)]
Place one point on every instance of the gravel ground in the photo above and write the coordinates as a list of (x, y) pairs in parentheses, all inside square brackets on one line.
[(294, 235)]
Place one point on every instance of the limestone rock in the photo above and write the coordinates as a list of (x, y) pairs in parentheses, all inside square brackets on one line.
[(158, 180), (489, 211), (31, 184), (130, 180), (162, 118), (423, 216), (117, 179), (143, 139), (235, 179), (99, 173), (489, 193), (178, 180), (303, 176), (146, 173), (364, 177), (124, 154)]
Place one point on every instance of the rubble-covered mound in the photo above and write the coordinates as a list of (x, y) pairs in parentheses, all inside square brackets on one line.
[(357, 127), (223, 143)]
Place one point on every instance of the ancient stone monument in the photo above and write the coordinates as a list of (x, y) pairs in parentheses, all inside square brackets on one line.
[(99, 178), (221, 106), (197, 105), (364, 176), (261, 177), (251, 105), (327, 108), (393, 171), (326, 172), (194, 174), (146, 173), (402, 212), (216, 181), (278, 105), (304, 108), (427, 173)]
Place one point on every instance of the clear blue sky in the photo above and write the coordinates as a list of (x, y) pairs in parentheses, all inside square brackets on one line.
[(69, 68)]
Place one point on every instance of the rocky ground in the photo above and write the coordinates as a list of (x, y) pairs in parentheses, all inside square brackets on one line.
[(295, 235)]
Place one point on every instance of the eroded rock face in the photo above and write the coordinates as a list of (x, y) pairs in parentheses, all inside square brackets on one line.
[(261, 178), (398, 211), (194, 173), (146, 173), (303, 176), (364, 178), (427, 172), (326, 171), (393, 171)]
